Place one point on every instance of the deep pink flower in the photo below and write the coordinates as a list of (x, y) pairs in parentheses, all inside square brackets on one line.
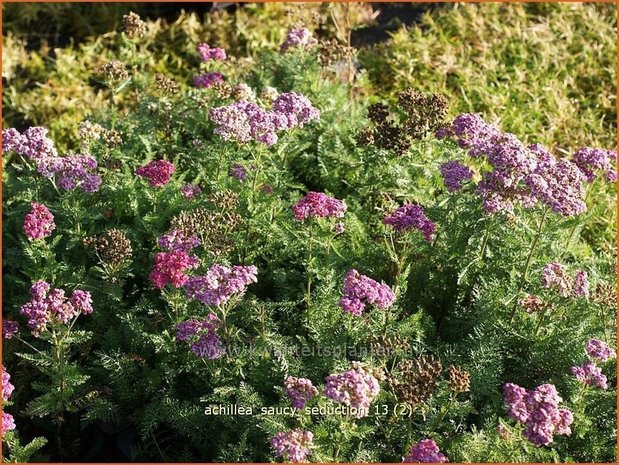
[(170, 268), (318, 205), (158, 172), (39, 223), (425, 451)]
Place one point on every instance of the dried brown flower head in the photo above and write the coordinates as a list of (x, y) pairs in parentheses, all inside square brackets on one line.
[(113, 72), (459, 379), (386, 345), (133, 25), (331, 52), (113, 247), (167, 85), (532, 303), (605, 295), (416, 380), (424, 113)]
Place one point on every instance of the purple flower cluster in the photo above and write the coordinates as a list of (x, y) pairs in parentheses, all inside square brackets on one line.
[(71, 172), (8, 422), (299, 391), (555, 276), (355, 388), (599, 350), (298, 38), (7, 387), (590, 374), (158, 172), (33, 143), (292, 446), (539, 411), (39, 222), (220, 283), (411, 216), (190, 191), (207, 80), (318, 205), (9, 328), (244, 120), (359, 291), (48, 305), (208, 53), (201, 335), (238, 172), (425, 451), (177, 240), (171, 267), (519, 174), (454, 174), (592, 161)]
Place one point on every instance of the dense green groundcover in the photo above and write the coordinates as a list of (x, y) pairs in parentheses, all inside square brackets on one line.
[(474, 305)]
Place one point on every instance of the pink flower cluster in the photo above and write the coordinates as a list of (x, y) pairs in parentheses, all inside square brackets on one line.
[(39, 222), (425, 451), (318, 205), (171, 267), (49, 305), (157, 172), (292, 446), (599, 350), (539, 411), (33, 143), (207, 80), (176, 240), (555, 276), (454, 174), (355, 388), (244, 120), (8, 423), (359, 291), (298, 38), (590, 374), (208, 53), (71, 172), (299, 391), (220, 283), (592, 160), (201, 335), (9, 328), (190, 191), (411, 216)]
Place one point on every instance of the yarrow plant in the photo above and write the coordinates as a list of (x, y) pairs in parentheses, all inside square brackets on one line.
[(411, 216), (599, 350), (298, 38), (455, 174), (71, 172), (299, 391), (425, 451), (293, 446), (208, 53), (202, 337), (220, 283), (207, 80), (355, 388), (318, 205), (33, 143), (359, 291), (171, 268)]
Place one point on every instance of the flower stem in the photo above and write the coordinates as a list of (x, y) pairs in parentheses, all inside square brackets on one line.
[(308, 295), (528, 263)]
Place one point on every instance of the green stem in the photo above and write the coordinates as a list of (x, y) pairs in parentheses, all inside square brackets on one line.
[(528, 263), (540, 321), (308, 294)]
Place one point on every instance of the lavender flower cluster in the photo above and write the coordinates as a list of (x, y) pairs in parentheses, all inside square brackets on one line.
[(539, 411), (589, 373), (33, 143), (299, 391), (244, 120), (207, 80), (49, 305), (9, 328), (318, 205), (190, 191), (177, 240), (355, 388), (555, 276), (525, 175), (292, 446), (71, 172), (8, 422), (593, 161), (201, 335), (158, 172), (298, 38), (220, 283), (425, 451), (360, 290), (455, 174), (208, 53), (39, 222), (411, 216)]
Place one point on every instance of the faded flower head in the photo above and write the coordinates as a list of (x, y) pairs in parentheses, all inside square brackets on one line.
[(292, 446), (299, 391), (166, 84), (355, 388), (113, 72), (555, 276), (416, 380), (133, 25), (459, 379), (532, 303), (113, 247)]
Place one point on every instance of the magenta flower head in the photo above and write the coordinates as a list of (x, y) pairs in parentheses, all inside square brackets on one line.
[(208, 53), (207, 80), (157, 172), (220, 283), (599, 350), (590, 374), (298, 38), (7, 387), (9, 328), (292, 446), (8, 422), (190, 191), (299, 391), (359, 291), (455, 174), (171, 267), (592, 161), (318, 205), (411, 216), (355, 388), (425, 451), (39, 223)]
